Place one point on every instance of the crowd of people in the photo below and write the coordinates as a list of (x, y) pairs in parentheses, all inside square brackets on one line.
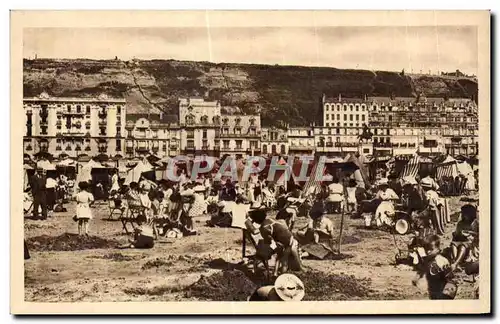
[(167, 208)]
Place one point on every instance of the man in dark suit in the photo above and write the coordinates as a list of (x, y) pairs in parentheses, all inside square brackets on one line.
[(39, 190)]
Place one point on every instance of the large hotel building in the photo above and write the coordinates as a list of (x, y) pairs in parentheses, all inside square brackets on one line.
[(378, 126), (74, 126)]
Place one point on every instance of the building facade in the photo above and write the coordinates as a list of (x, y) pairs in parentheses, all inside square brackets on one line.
[(199, 123), (74, 126), (301, 141), (429, 126), (156, 134), (274, 141), (239, 135), (343, 122)]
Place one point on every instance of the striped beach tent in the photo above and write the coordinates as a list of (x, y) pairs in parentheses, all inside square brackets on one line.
[(412, 168), (447, 168)]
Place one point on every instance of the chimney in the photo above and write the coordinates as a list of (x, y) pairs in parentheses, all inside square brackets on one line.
[(340, 97), (323, 98)]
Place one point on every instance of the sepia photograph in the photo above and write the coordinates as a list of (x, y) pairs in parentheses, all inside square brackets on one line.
[(175, 162)]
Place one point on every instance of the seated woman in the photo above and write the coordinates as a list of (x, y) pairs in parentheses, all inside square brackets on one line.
[(287, 249), (335, 197), (385, 210), (319, 229), (464, 235)]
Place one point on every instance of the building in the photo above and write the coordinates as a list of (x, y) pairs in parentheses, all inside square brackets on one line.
[(343, 122), (156, 134), (200, 123), (274, 141), (429, 126), (239, 135), (301, 141), (74, 126)]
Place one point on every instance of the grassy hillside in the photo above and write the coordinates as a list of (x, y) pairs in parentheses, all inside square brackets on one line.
[(288, 94)]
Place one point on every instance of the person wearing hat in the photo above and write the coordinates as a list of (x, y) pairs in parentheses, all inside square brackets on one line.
[(319, 228), (287, 287), (464, 235), (275, 231), (38, 184), (431, 196), (143, 237), (385, 210), (430, 182), (197, 208)]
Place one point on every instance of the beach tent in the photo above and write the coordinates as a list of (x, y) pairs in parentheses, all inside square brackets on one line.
[(85, 173), (66, 163), (451, 167), (134, 174)]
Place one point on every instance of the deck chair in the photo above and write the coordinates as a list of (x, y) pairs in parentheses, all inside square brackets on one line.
[(255, 259), (115, 208), (130, 216)]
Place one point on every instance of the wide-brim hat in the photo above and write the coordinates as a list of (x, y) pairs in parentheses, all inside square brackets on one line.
[(426, 183), (409, 180), (174, 233), (199, 188), (289, 287), (383, 182), (402, 227)]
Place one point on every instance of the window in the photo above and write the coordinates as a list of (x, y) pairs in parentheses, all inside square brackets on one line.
[(264, 149), (118, 131), (118, 145), (273, 149), (189, 120), (237, 130), (357, 117), (190, 144), (327, 116), (69, 108), (345, 117), (87, 110), (338, 131), (239, 144), (225, 144), (357, 107), (365, 150), (327, 124), (254, 144), (388, 132), (190, 133), (119, 110), (283, 149), (362, 117), (204, 134), (338, 116), (205, 144), (350, 118), (78, 108), (333, 116), (204, 120)]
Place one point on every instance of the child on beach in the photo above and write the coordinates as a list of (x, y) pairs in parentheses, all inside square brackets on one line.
[(84, 199)]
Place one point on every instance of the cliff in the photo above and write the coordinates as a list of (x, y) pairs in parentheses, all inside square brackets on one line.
[(282, 94)]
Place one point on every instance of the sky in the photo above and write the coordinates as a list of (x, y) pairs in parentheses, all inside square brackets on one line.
[(414, 49)]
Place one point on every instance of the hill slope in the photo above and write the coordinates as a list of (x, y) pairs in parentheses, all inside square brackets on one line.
[(289, 94)]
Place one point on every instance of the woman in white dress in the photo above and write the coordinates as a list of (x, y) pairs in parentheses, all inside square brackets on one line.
[(83, 212), (115, 185), (197, 208)]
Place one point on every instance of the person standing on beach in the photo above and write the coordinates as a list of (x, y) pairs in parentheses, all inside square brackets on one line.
[(38, 185)]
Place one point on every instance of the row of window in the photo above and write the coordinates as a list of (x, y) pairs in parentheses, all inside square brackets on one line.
[(350, 117), (346, 107)]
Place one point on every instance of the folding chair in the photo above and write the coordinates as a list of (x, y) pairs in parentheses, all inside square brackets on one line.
[(115, 208), (131, 215)]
